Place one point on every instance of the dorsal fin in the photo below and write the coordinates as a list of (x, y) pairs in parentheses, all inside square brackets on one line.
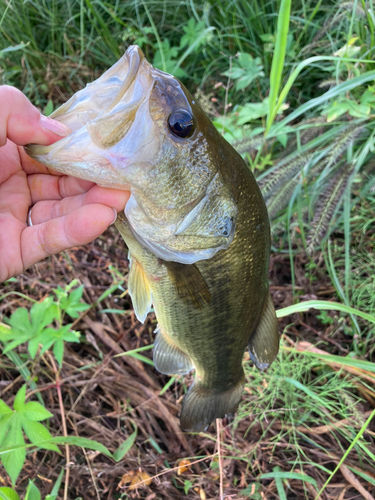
[(189, 283)]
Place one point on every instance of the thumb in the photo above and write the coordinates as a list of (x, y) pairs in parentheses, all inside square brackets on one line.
[(22, 123)]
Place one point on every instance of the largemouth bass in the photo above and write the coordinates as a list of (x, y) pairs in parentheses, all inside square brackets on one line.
[(195, 225)]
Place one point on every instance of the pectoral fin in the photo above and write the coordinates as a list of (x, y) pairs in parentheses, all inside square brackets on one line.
[(264, 341), (189, 283), (139, 289), (168, 358)]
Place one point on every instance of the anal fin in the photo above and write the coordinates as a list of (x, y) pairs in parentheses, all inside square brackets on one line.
[(264, 341), (168, 358), (139, 289), (189, 283)]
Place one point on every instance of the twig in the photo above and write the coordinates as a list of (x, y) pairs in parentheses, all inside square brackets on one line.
[(218, 427), (63, 422), (171, 470)]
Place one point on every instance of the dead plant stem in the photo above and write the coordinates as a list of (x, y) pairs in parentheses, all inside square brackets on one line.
[(218, 427), (63, 422)]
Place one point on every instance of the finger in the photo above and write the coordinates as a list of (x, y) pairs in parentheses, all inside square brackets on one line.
[(43, 211), (50, 187), (77, 228), (22, 123)]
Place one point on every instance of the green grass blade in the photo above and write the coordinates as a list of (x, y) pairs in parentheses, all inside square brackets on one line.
[(342, 88), (134, 351), (322, 305), (288, 475), (278, 58), (358, 436), (345, 361)]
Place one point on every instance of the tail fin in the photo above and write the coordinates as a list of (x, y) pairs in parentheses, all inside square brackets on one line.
[(202, 406)]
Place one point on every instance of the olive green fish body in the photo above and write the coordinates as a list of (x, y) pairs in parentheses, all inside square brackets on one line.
[(213, 337), (196, 226)]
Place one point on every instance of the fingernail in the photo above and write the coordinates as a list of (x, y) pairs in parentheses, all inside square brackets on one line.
[(54, 126), (114, 220)]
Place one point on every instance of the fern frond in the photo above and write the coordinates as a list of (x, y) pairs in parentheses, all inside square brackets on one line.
[(328, 204), (284, 170), (249, 144), (282, 198), (343, 141)]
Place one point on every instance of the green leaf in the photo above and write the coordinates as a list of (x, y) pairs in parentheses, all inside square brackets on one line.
[(192, 30), (33, 347), (56, 487), (245, 70), (252, 111), (8, 494), (5, 424), (4, 408), (13, 459), (43, 313), (368, 97), (125, 447), (187, 485), (337, 109), (48, 110), (19, 400), (358, 110), (32, 492), (35, 412), (58, 351), (72, 305), (38, 435), (20, 320), (84, 442)]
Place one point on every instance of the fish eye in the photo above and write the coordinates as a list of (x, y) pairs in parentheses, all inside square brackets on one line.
[(181, 123)]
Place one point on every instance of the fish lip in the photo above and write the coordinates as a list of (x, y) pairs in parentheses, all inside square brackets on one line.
[(133, 57), (85, 113)]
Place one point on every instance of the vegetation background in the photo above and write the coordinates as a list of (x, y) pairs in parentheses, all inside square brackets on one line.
[(291, 85)]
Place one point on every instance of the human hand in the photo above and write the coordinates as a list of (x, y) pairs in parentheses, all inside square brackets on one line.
[(66, 211)]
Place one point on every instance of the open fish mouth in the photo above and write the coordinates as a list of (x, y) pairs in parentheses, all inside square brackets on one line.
[(100, 116)]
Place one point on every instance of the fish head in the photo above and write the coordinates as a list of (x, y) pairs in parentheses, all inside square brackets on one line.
[(137, 128)]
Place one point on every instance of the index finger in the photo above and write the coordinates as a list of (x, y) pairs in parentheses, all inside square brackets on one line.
[(22, 123)]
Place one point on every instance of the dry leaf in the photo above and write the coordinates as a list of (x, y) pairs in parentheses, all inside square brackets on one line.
[(126, 478), (139, 480), (183, 466), (350, 477)]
